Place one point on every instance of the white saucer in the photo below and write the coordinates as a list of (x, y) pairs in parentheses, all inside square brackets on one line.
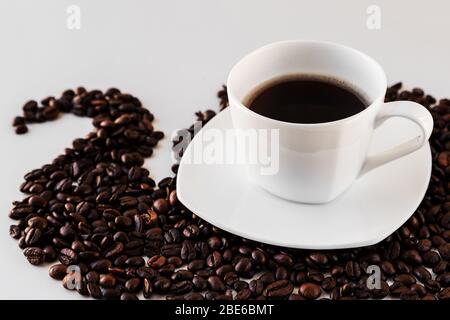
[(376, 205)]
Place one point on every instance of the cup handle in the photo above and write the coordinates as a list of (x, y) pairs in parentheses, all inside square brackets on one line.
[(405, 109)]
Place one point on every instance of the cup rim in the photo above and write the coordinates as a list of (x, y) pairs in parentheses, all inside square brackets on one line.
[(239, 104)]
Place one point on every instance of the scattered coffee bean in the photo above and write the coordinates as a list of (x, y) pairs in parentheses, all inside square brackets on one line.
[(96, 207), (309, 290)]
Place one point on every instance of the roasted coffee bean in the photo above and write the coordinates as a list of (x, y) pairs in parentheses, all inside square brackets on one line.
[(256, 287), (111, 293), (107, 280), (32, 236), (444, 251), (34, 255), (352, 269), (188, 252), (431, 259), (196, 265), (181, 287), (15, 232), (38, 222), (161, 206), (441, 267), (309, 290), (215, 283), (281, 288), (422, 274), (318, 258), (388, 268), (101, 265), (58, 271), (148, 288), (97, 207), (128, 296), (283, 259), (243, 294), (156, 262), (214, 259), (199, 283), (244, 267), (92, 276), (443, 279), (328, 284), (259, 257), (94, 290), (162, 285), (424, 245), (405, 279), (191, 231), (68, 257), (412, 257)]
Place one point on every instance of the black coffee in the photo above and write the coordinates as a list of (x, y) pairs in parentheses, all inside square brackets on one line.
[(305, 99)]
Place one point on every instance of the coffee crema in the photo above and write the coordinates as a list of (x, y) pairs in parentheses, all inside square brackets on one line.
[(305, 98)]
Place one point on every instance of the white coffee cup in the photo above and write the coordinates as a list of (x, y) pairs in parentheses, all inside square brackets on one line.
[(319, 161)]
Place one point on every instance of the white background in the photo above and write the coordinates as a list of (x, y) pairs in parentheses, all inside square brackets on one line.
[(174, 55)]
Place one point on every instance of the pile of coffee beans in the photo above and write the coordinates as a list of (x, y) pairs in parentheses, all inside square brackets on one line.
[(117, 234)]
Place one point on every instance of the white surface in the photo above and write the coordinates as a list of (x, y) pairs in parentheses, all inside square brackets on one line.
[(376, 205), (174, 55)]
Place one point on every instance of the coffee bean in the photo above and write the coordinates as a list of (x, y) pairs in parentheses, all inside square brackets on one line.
[(97, 208), (191, 231), (107, 281), (92, 276), (443, 279), (156, 262), (259, 257), (444, 251), (283, 259), (162, 285), (319, 258), (422, 274), (430, 259), (199, 283), (37, 201), (34, 255), (111, 293), (15, 232), (256, 287), (214, 259), (33, 236), (412, 257), (281, 288), (441, 267), (215, 283), (188, 252), (128, 296), (352, 269), (38, 223), (68, 257), (94, 290), (405, 279), (101, 265), (243, 294), (388, 268), (148, 288), (58, 271), (309, 290), (328, 284), (244, 267), (161, 206)]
